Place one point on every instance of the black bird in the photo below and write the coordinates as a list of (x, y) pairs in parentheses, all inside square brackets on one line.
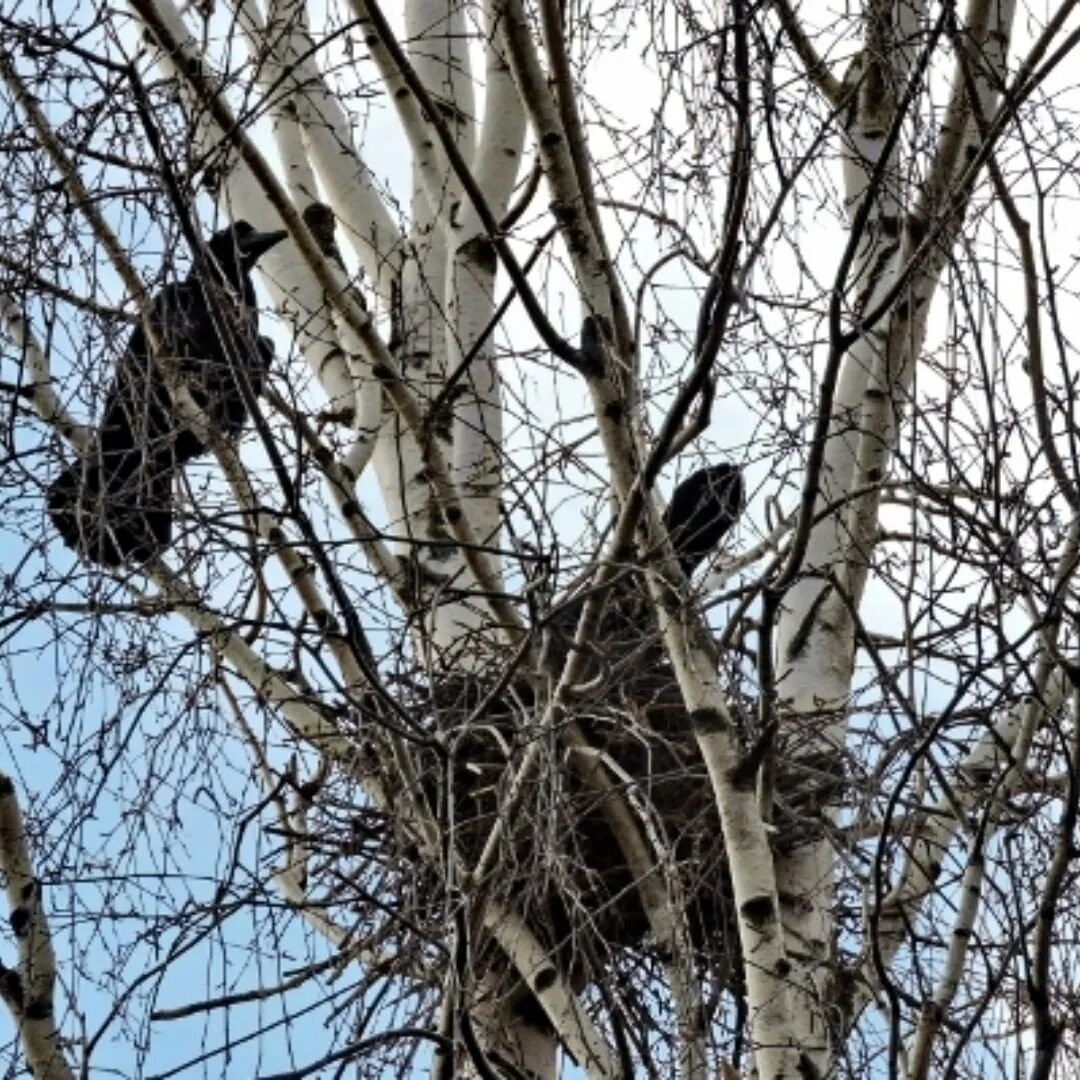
[(702, 509), (115, 506)]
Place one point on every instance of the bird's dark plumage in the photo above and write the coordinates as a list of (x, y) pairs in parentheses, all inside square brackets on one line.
[(702, 509), (115, 505)]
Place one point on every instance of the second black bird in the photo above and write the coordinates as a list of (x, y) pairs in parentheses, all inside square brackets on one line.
[(115, 505), (702, 509), (626, 639)]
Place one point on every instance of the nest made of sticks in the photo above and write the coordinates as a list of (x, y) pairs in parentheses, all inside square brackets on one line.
[(559, 860)]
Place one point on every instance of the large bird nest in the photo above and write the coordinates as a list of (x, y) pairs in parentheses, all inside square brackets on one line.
[(559, 861)]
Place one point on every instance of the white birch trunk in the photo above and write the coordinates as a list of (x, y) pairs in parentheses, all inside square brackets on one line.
[(432, 318), (28, 988), (474, 398), (815, 635)]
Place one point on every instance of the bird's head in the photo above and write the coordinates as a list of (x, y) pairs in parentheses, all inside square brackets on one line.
[(702, 509), (237, 248)]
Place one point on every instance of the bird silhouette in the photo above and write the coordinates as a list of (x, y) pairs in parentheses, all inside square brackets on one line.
[(626, 639), (114, 505), (702, 509)]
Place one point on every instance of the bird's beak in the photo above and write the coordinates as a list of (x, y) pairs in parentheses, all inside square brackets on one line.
[(257, 244)]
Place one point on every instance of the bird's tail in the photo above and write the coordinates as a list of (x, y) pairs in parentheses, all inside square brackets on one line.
[(120, 514)]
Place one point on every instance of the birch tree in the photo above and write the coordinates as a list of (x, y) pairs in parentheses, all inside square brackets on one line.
[(419, 746)]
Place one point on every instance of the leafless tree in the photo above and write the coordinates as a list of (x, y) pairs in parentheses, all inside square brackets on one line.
[(422, 746)]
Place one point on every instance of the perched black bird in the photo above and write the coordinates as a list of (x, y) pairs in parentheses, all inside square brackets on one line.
[(702, 509), (115, 505), (626, 638)]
